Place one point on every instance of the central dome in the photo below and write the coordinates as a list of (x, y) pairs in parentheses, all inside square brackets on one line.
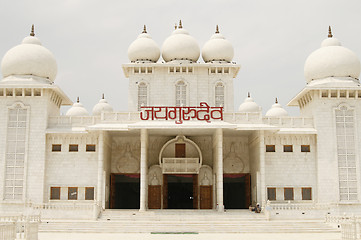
[(180, 46), (29, 58), (331, 60)]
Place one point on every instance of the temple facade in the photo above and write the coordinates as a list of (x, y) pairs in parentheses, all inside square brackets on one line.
[(182, 144)]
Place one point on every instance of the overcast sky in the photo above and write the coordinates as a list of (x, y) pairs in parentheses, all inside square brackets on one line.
[(271, 39)]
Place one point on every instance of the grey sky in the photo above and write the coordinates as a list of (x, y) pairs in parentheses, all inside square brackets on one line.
[(271, 38)]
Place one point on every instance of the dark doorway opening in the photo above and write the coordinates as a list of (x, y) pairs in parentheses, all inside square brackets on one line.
[(125, 191), (236, 191), (180, 192)]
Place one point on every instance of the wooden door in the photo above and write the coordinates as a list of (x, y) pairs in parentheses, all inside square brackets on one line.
[(206, 197), (195, 191), (180, 150), (112, 191), (165, 191), (154, 196), (247, 181)]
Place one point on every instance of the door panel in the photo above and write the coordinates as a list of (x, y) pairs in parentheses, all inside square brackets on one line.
[(195, 191), (165, 191), (206, 197), (180, 150), (154, 196)]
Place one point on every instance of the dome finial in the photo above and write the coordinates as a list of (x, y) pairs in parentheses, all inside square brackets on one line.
[(249, 94), (217, 29), (144, 29), (276, 100), (329, 32), (32, 31), (175, 26), (77, 99), (180, 24), (103, 96)]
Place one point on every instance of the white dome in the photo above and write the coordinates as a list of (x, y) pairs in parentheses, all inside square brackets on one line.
[(29, 58), (102, 106), (331, 60), (218, 48), (276, 111), (180, 46), (249, 106), (144, 48), (77, 110)]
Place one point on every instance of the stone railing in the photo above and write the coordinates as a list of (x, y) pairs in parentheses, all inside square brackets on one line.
[(19, 227), (66, 210), (297, 206), (238, 117), (299, 122), (180, 165), (350, 226)]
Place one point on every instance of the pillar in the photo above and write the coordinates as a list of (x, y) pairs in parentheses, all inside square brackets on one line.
[(100, 184), (219, 168), (143, 169), (262, 153)]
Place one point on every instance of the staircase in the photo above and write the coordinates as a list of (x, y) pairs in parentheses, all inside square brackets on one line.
[(184, 221)]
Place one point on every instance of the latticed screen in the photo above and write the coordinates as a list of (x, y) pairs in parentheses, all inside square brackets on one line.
[(219, 95), (346, 154), (15, 153), (142, 95), (181, 94)]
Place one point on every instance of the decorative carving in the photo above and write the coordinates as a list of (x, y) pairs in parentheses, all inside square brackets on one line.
[(155, 176), (232, 162), (127, 163), (205, 180), (205, 175)]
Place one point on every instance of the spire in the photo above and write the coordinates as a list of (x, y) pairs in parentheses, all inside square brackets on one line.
[(77, 99), (180, 24), (144, 29), (103, 96), (276, 100), (329, 32), (175, 26), (32, 31), (249, 94), (217, 29)]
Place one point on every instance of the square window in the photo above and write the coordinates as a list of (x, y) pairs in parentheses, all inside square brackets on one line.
[(270, 148), (287, 148), (271, 194), (306, 193), (72, 193), (288, 194), (305, 148), (56, 148), (89, 193), (73, 147), (90, 147), (55, 193)]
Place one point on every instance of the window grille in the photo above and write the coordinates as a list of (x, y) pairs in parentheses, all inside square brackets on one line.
[(219, 95), (346, 153), (142, 95), (15, 153), (181, 94)]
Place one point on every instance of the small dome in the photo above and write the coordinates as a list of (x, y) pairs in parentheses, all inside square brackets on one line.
[(102, 106), (331, 60), (29, 58), (249, 105), (180, 46), (218, 48), (144, 48), (77, 110), (276, 111)]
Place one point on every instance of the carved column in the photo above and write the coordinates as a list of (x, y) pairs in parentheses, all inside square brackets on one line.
[(143, 169), (218, 137), (100, 168)]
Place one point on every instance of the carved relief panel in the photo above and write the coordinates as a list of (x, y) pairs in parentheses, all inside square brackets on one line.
[(125, 155)]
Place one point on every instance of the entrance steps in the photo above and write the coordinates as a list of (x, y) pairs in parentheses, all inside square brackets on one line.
[(192, 221)]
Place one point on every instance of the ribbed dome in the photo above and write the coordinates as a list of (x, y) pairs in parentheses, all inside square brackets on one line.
[(331, 60), (249, 105), (102, 106), (29, 58), (180, 46), (276, 110), (144, 48), (218, 48), (77, 110)]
